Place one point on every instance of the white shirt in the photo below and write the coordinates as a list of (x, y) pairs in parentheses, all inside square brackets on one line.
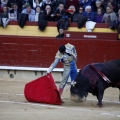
[(35, 5)]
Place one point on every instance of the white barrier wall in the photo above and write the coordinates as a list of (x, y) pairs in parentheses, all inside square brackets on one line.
[(27, 74), (11, 75)]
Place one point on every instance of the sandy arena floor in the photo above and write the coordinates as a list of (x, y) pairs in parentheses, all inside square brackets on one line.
[(13, 106)]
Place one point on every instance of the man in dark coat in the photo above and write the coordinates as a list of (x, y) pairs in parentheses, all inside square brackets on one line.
[(18, 2), (77, 16), (15, 9), (48, 13), (59, 13)]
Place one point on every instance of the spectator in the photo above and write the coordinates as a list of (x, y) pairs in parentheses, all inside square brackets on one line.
[(104, 3), (48, 13), (89, 14), (55, 3), (77, 16), (98, 4), (118, 16), (13, 13), (114, 5), (15, 9), (36, 3), (118, 21), (70, 12), (0, 7), (57, 15), (26, 3), (71, 3), (109, 16), (109, 4), (37, 12), (37, 9), (11, 2), (85, 3), (30, 12), (118, 4), (5, 17), (99, 15), (4, 14), (3, 3), (61, 33), (44, 3)]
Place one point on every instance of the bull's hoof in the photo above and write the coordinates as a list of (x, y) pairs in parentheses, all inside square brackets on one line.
[(100, 105)]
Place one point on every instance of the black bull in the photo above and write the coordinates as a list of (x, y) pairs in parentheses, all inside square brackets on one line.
[(88, 80)]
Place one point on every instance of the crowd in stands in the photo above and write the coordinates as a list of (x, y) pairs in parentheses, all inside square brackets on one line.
[(100, 11), (42, 11)]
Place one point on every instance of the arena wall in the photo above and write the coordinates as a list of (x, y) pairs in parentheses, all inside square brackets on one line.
[(29, 47)]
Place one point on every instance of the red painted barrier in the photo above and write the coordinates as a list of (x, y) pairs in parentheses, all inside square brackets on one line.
[(40, 52)]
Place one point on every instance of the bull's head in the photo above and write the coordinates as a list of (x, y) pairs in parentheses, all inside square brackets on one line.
[(79, 88)]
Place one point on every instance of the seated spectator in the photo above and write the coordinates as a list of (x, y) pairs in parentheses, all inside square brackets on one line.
[(0, 9), (104, 3), (114, 5), (48, 13), (13, 13), (37, 12), (109, 16), (85, 3), (44, 3), (26, 3), (11, 2), (30, 12), (57, 15), (54, 5), (118, 20), (89, 14), (61, 33), (36, 3), (118, 5), (109, 4), (69, 3), (118, 16), (5, 17), (15, 9), (99, 15), (70, 12), (98, 4), (77, 16), (4, 14), (3, 3)]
